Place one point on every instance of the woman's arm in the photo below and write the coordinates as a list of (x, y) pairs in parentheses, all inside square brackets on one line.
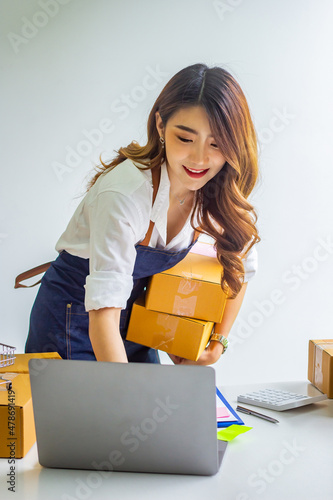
[(214, 350), (105, 336)]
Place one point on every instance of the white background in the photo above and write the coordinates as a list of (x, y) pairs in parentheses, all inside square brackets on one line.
[(70, 73)]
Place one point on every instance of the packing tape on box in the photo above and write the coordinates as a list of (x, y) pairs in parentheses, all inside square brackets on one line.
[(169, 324), (184, 306), (318, 361), (187, 286)]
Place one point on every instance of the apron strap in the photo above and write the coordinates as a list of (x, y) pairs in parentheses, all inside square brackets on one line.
[(155, 174), (29, 274), (196, 234)]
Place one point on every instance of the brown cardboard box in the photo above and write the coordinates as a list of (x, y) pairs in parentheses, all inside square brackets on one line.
[(17, 427), (181, 336), (320, 369), (21, 361), (192, 288)]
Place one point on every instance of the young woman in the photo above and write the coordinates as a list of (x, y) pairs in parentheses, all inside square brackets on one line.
[(139, 216)]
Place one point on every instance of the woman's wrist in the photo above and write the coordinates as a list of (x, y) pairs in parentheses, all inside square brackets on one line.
[(216, 348), (220, 337)]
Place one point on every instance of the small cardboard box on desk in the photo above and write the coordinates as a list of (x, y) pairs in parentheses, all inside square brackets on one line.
[(21, 362), (17, 426), (181, 306), (320, 369)]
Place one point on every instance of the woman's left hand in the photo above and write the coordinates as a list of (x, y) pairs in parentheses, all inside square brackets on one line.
[(210, 355)]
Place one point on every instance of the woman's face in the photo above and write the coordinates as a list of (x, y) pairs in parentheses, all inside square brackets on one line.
[(192, 156)]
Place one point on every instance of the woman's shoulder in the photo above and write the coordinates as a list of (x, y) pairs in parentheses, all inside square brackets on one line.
[(126, 178)]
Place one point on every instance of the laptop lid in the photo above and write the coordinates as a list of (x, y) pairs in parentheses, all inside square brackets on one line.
[(125, 416)]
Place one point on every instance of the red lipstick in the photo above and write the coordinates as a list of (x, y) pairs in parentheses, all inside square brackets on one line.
[(195, 173)]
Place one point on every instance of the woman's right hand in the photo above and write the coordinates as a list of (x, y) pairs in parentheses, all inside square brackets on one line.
[(104, 334), (210, 355)]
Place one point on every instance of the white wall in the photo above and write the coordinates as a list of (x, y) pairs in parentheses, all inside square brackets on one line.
[(67, 76)]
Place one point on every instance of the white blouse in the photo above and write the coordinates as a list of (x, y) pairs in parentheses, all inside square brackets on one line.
[(111, 219)]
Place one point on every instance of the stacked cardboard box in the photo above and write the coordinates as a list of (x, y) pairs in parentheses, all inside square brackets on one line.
[(180, 307)]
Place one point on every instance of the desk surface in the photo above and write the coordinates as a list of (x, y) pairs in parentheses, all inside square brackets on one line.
[(290, 460)]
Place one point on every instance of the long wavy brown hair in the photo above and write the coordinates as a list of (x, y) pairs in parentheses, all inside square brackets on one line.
[(221, 205)]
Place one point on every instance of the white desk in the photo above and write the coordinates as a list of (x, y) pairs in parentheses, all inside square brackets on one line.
[(290, 460)]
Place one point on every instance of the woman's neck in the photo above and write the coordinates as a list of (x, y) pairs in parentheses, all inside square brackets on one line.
[(178, 192)]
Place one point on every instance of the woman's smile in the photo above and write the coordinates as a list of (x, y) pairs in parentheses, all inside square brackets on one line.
[(195, 173)]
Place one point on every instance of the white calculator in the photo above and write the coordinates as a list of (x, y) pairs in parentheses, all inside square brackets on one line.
[(279, 399)]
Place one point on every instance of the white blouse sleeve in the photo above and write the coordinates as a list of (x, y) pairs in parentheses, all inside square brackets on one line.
[(115, 222), (250, 262)]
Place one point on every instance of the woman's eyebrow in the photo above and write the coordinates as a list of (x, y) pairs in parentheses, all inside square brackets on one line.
[(188, 129)]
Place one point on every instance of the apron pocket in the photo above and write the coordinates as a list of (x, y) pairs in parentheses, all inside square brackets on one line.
[(78, 345)]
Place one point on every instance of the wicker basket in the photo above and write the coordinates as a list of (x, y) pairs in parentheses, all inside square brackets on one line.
[(7, 357)]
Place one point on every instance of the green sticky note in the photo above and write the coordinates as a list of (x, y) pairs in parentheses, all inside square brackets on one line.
[(229, 433)]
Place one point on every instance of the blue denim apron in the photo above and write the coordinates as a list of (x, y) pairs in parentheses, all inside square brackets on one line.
[(59, 321)]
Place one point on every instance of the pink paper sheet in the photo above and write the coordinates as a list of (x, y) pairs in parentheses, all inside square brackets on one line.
[(222, 412)]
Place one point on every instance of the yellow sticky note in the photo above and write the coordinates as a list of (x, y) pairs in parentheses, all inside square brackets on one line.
[(229, 433)]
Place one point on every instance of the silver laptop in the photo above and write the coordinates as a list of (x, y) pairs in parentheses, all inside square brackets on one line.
[(136, 417)]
